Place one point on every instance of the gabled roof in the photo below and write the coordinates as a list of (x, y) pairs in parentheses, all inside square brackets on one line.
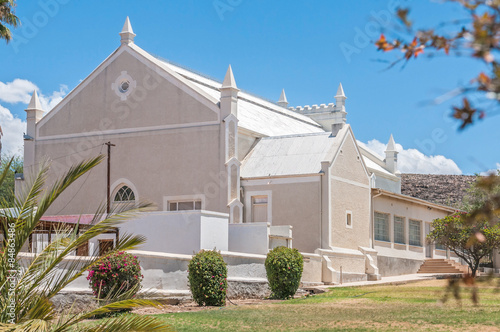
[(291, 155), (147, 59), (254, 113)]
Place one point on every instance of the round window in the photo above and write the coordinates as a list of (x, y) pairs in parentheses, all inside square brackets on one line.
[(124, 86)]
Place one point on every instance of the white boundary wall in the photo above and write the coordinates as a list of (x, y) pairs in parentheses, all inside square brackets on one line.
[(168, 274), (180, 232)]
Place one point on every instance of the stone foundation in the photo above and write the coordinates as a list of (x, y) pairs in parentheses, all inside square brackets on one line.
[(393, 266), (248, 289), (81, 300)]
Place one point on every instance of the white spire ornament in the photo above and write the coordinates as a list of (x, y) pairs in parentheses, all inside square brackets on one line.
[(229, 81), (34, 104), (283, 102), (391, 156), (127, 34), (229, 95), (340, 99)]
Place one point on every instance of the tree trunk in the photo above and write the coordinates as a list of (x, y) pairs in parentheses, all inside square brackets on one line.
[(474, 269)]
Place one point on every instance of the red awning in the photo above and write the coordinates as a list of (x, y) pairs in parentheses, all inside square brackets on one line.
[(85, 219)]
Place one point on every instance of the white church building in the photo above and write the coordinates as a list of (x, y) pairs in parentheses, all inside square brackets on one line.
[(230, 170)]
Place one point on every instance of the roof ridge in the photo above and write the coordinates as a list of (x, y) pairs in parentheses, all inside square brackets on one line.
[(285, 111), (298, 135)]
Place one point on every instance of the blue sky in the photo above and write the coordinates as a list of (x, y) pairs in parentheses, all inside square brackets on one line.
[(296, 45)]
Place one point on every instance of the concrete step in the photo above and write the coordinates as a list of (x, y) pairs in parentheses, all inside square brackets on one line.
[(442, 266)]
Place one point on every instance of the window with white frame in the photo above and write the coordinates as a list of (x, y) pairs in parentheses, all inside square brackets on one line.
[(381, 227), (415, 234), (125, 194), (185, 205), (399, 230), (440, 246), (259, 208), (348, 219)]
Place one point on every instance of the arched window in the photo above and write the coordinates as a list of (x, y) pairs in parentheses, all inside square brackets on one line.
[(124, 194)]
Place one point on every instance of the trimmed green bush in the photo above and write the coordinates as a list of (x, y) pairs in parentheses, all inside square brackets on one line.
[(284, 268), (207, 273), (115, 275)]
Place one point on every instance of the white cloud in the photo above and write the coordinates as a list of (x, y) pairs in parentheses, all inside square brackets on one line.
[(492, 171), (48, 102), (17, 91), (20, 91), (13, 129), (414, 161)]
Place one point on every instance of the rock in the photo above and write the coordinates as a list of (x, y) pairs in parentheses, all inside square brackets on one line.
[(436, 188), (75, 301)]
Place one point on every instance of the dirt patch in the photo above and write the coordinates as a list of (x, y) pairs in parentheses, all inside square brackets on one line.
[(192, 306), (405, 326)]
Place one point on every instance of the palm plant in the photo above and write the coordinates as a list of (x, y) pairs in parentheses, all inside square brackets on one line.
[(25, 300), (7, 16)]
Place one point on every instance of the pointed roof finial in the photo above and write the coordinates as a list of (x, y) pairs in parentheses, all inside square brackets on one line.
[(127, 33), (229, 81), (34, 103), (283, 96), (340, 91), (282, 101), (391, 145)]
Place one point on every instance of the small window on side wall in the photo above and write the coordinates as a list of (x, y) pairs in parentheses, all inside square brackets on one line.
[(259, 208), (184, 205), (348, 219)]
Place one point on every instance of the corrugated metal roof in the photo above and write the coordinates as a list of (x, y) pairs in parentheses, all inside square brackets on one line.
[(84, 219), (374, 167), (254, 113), (290, 155), (373, 161)]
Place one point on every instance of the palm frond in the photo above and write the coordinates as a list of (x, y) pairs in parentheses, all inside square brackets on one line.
[(45, 274), (131, 323), (124, 322), (6, 170)]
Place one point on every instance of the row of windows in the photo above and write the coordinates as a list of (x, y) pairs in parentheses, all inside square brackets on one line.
[(382, 229)]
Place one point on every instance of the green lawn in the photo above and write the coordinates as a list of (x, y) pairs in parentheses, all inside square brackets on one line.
[(413, 306)]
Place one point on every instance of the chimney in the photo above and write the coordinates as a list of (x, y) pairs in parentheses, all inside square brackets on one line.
[(336, 127)]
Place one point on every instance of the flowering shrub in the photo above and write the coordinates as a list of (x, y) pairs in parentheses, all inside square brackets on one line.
[(284, 268), (207, 273), (115, 275)]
